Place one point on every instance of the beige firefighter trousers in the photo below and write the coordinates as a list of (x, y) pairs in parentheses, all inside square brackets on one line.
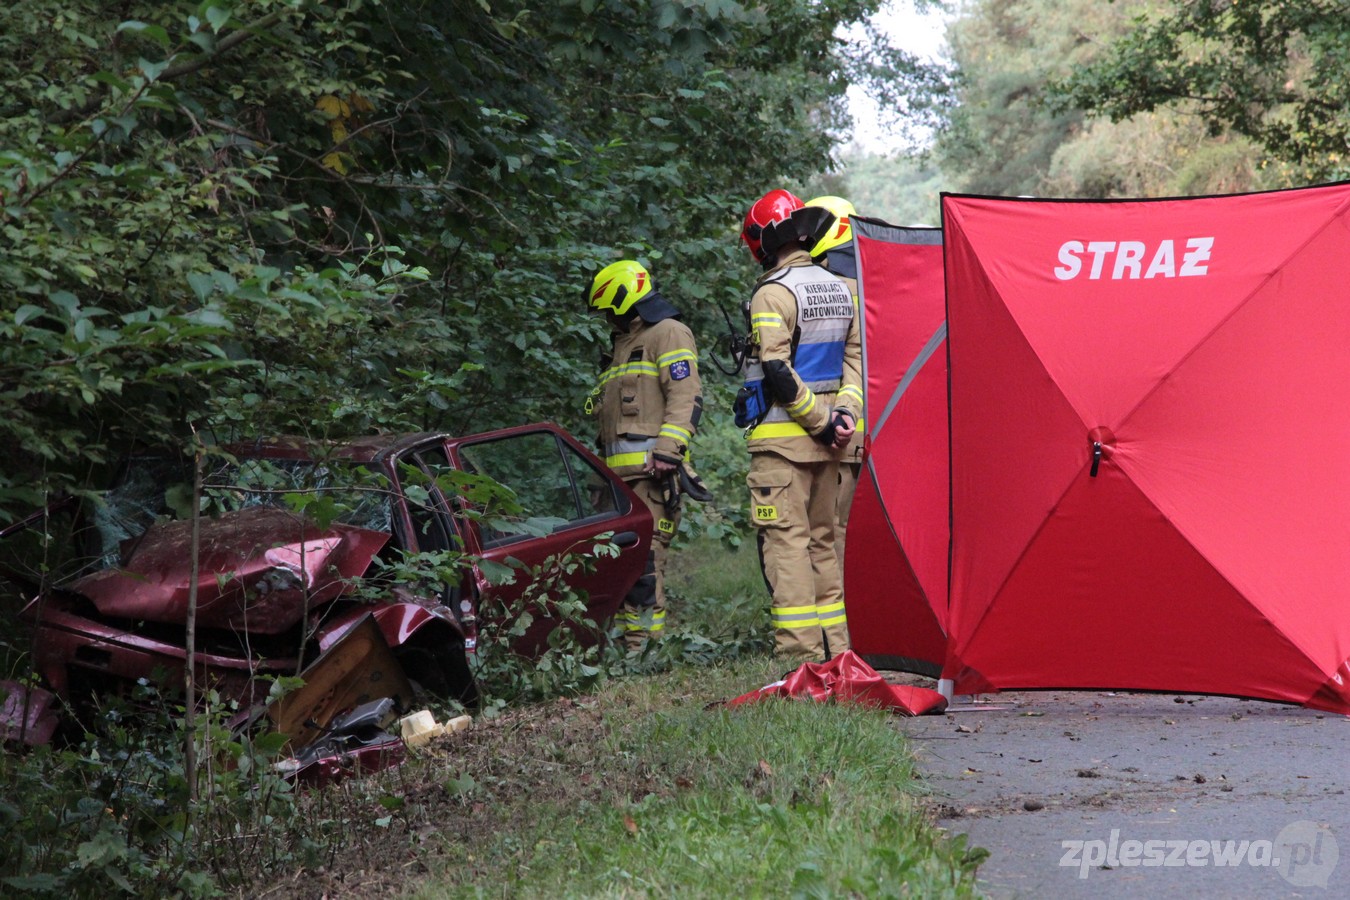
[(793, 506), (848, 486)]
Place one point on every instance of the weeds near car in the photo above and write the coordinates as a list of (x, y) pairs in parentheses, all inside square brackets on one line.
[(573, 661), (641, 790), (112, 813)]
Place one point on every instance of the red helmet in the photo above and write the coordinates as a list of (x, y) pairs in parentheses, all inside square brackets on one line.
[(766, 224)]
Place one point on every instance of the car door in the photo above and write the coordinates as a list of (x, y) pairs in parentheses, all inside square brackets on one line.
[(554, 476)]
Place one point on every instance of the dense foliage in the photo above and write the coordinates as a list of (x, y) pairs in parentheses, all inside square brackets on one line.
[(1274, 72), (1133, 98), (284, 215), (1138, 98), (241, 217)]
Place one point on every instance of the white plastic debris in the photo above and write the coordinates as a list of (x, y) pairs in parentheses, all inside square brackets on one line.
[(420, 727)]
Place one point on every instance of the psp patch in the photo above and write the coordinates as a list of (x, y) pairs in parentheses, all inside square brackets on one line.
[(679, 371)]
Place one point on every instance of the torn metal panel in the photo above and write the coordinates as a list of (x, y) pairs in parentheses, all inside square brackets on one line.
[(28, 715), (358, 669)]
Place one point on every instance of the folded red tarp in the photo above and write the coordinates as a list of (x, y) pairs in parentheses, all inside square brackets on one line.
[(847, 677)]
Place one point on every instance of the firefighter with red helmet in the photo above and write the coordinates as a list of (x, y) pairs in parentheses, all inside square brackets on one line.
[(835, 251), (800, 405), (648, 403)]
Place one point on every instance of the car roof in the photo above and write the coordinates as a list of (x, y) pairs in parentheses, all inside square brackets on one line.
[(362, 449)]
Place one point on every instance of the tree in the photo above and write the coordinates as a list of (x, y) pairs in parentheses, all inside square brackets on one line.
[(1001, 135), (1274, 72), (1154, 154), (1014, 131), (284, 215)]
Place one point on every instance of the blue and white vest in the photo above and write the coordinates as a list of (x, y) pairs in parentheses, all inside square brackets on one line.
[(824, 313)]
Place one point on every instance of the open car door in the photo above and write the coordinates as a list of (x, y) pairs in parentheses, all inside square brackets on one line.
[(554, 477)]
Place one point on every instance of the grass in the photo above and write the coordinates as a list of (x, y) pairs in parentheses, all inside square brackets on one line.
[(652, 788), (717, 591), (668, 797)]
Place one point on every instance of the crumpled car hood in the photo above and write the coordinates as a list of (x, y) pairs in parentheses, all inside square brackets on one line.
[(260, 569)]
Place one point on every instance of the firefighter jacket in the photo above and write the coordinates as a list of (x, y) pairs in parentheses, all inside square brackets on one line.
[(803, 315), (649, 399), (843, 262)]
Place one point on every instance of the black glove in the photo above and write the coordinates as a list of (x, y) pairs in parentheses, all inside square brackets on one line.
[(692, 485), (840, 419), (670, 493)]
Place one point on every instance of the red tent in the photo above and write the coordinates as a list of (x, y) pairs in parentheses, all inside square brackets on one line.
[(1148, 417), (896, 565)]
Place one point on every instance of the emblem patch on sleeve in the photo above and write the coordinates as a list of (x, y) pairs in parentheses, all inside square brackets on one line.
[(679, 371)]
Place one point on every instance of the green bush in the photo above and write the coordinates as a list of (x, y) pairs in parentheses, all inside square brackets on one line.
[(115, 812)]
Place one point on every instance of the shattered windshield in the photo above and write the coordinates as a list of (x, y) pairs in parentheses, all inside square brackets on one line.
[(351, 494), (135, 503), (156, 489)]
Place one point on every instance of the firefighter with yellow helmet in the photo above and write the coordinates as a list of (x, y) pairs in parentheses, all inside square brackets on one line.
[(648, 403), (834, 249), (800, 405)]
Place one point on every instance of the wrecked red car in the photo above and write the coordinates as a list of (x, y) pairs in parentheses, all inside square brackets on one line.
[(278, 589)]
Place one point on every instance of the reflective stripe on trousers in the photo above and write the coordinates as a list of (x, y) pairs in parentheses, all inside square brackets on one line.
[(652, 619), (643, 614), (797, 551), (809, 616)]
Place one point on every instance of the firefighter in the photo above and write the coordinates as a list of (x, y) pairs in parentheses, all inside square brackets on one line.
[(648, 403), (834, 250), (800, 405)]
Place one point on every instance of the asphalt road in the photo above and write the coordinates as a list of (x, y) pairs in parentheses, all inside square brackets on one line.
[(1112, 795)]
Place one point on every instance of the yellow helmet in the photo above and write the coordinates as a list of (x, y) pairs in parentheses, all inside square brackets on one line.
[(618, 286), (839, 230)]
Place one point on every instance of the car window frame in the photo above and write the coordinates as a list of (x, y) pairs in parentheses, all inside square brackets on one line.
[(562, 442)]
